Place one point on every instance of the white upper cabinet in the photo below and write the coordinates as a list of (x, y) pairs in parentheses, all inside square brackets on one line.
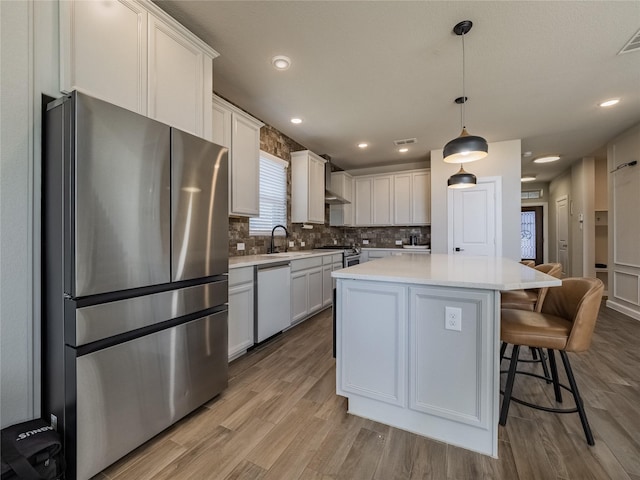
[(239, 132), (342, 215), (373, 200), (177, 64), (132, 54), (412, 198), (307, 187)]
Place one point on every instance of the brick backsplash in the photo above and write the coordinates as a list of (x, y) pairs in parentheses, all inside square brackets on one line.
[(278, 144)]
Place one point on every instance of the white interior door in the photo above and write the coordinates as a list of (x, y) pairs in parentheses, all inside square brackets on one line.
[(562, 232), (475, 219)]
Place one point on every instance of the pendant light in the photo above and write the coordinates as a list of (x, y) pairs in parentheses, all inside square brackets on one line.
[(462, 179), (465, 148)]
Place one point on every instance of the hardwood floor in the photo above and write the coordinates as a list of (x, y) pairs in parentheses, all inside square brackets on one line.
[(281, 419)]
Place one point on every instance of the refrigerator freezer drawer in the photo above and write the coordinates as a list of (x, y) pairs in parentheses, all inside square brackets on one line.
[(109, 319), (130, 392)]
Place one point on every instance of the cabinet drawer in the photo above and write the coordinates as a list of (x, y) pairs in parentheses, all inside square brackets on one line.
[(240, 275), (329, 259), (305, 263)]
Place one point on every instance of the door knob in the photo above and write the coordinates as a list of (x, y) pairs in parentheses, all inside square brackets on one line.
[(458, 249)]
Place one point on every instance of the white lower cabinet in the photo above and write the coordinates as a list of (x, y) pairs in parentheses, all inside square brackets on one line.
[(241, 294), (307, 280), (373, 355)]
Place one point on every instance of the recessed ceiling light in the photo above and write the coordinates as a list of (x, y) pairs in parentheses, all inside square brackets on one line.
[(363, 145), (610, 103), (296, 120), (528, 178), (281, 62), (547, 159), (403, 150)]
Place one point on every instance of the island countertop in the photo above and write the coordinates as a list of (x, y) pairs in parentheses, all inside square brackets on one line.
[(490, 273)]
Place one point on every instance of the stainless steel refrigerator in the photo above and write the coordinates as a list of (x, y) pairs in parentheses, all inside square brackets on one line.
[(135, 256)]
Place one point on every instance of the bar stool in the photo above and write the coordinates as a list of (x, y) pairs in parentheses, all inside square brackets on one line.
[(532, 300), (528, 263), (565, 324)]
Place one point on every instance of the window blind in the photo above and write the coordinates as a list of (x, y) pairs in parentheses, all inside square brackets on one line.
[(273, 197)]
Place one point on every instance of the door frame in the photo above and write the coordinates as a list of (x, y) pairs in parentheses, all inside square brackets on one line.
[(545, 226), (497, 181), (566, 268)]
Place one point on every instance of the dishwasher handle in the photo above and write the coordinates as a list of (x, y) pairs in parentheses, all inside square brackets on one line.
[(269, 266)]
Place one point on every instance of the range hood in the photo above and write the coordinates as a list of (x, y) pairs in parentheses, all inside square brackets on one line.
[(330, 197)]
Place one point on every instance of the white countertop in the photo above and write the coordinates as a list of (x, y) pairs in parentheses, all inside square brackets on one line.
[(251, 260), (489, 273)]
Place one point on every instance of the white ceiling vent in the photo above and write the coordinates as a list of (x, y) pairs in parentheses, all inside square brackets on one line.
[(406, 141), (632, 45)]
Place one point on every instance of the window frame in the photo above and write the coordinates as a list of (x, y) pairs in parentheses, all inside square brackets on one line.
[(255, 231)]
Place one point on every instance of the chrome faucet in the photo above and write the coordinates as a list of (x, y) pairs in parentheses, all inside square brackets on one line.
[(286, 236)]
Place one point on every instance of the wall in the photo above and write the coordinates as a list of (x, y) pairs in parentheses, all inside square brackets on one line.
[(624, 224), (558, 187), (582, 220), (29, 40), (504, 161)]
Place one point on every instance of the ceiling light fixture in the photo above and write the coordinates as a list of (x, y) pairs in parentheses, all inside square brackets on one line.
[(547, 159), (464, 148), (281, 62), (610, 103), (403, 150), (462, 179), (296, 120), (363, 145), (528, 178)]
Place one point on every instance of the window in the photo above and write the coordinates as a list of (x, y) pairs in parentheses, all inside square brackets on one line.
[(273, 196)]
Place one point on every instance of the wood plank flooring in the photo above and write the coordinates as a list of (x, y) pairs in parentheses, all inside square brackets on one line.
[(281, 419)]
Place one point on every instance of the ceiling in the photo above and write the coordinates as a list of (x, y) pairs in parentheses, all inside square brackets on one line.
[(379, 71)]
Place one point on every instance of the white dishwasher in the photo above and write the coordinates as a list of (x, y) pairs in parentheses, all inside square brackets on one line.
[(273, 300)]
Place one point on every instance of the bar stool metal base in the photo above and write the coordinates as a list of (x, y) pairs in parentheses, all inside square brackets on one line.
[(573, 388)]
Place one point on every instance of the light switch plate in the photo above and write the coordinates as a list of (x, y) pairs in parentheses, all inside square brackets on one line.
[(398, 242), (302, 244), (240, 247), (365, 242), (291, 244)]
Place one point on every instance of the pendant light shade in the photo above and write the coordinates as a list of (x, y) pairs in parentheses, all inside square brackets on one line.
[(464, 148), (462, 179)]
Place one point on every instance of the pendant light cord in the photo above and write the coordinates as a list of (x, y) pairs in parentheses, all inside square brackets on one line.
[(464, 98)]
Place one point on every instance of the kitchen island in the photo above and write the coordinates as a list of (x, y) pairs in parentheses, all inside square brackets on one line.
[(417, 343)]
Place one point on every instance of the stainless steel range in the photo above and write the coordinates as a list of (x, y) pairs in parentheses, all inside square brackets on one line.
[(350, 254)]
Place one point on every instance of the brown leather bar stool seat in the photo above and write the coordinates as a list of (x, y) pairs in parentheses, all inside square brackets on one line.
[(528, 263), (565, 324), (532, 300)]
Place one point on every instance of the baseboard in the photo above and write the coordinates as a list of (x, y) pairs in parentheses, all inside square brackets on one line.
[(623, 309)]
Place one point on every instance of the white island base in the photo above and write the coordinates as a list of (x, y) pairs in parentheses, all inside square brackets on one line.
[(399, 365)]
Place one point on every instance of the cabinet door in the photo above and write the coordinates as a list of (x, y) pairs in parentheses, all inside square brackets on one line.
[(221, 125), (327, 285), (299, 290), (103, 50), (363, 192), (176, 90), (240, 319), (402, 205), (382, 200), (316, 190), (420, 197), (245, 167), (314, 285), (372, 357)]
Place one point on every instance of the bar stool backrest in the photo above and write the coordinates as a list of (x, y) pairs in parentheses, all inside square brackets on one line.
[(553, 269), (578, 301)]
